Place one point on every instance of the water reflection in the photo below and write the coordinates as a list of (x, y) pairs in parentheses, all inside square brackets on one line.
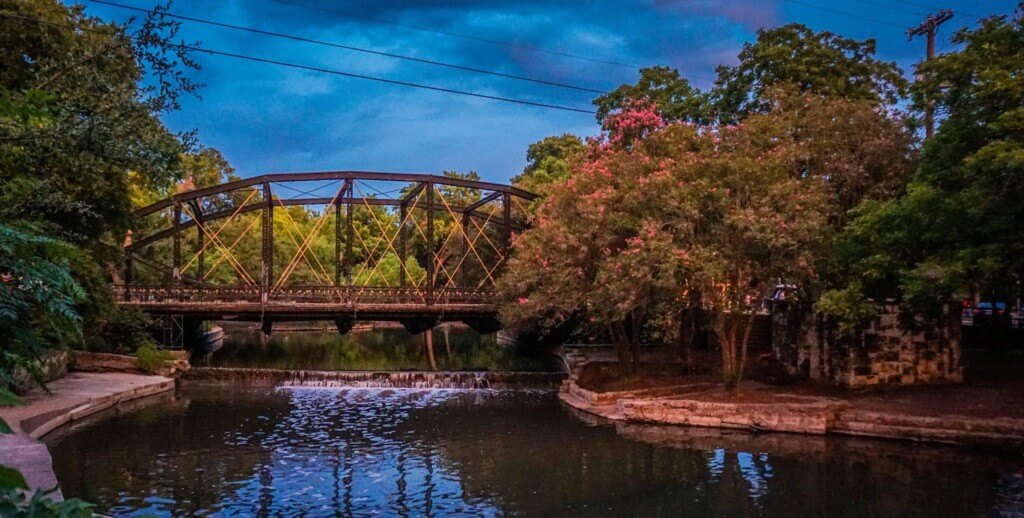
[(302, 451), (456, 348)]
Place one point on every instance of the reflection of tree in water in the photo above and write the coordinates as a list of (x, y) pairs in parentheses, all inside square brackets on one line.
[(181, 456), (383, 349), (418, 452)]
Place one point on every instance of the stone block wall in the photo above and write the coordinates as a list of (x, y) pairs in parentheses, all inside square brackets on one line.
[(884, 352)]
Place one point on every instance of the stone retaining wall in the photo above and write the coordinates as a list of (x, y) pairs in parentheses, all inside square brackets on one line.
[(697, 407), (797, 417), (884, 352)]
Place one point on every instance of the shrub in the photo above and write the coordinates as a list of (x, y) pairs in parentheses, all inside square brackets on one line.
[(150, 358), (121, 331)]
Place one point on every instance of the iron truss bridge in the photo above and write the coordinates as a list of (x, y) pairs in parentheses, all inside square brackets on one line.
[(340, 245)]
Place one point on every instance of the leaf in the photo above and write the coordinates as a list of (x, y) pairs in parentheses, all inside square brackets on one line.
[(8, 398), (11, 478), (5, 428)]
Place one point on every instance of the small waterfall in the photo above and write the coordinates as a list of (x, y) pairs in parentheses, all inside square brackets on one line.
[(379, 379)]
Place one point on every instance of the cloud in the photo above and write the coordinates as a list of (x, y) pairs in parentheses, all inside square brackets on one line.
[(270, 118), (752, 14)]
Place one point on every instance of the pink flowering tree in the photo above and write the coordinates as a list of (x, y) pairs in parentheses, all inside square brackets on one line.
[(658, 223)]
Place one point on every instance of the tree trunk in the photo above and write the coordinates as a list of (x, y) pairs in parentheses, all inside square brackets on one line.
[(634, 339), (622, 349), (447, 343), (428, 340), (727, 336), (743, 350), (686, 335)]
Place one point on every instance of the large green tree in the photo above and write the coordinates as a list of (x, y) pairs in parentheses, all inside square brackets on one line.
[(958, 232), (549, 161), (821, 63), (99, 119), (672, 95), (80, 100)]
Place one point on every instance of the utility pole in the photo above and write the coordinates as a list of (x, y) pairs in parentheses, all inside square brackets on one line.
[(928, 28)]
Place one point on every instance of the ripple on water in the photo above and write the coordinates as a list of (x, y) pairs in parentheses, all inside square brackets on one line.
[(299, 451)]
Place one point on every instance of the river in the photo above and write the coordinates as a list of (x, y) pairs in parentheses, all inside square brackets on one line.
[(246, 450)]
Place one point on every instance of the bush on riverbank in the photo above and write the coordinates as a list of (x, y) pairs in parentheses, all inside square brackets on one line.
[(150, 359)]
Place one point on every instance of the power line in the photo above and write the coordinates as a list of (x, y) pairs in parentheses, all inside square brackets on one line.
[(843, 13), (915, 12), (323, 70), (457, 35), (932, 9), (356, 49)]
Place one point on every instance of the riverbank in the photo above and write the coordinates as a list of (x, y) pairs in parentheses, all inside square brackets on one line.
[(70, 398), (972, 414)]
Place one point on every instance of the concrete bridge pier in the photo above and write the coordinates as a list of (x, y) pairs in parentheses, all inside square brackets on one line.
[(344, 324), (483, 325)]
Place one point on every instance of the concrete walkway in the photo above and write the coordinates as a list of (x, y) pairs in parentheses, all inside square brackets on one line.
[(72, 397)]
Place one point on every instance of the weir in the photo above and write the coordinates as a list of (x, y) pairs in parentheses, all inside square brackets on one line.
[(380, 379)]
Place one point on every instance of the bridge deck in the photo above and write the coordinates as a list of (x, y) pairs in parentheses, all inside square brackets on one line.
[(313, 303)]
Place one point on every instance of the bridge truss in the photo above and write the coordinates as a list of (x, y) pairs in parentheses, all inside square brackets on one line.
[(322, 245)]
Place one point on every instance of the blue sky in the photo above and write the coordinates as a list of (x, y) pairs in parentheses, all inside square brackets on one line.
[(265, 118)]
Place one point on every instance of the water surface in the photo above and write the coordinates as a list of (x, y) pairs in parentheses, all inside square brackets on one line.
[(230, 450), (458, 348)]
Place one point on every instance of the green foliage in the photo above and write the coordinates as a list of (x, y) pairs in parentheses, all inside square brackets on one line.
[(78, 115), (11, 478), (672, 95), (38, 296), (643, 224), (151, 359), (80, 101), (16, 503), (957, 232), (121, 331), (820, 63), (549, 161), (388, 272)]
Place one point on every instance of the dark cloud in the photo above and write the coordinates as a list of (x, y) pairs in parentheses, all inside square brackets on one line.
[(268, 118)]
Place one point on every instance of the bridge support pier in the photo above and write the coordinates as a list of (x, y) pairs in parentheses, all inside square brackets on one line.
[(483, 325), (418, 325), (344, 325)]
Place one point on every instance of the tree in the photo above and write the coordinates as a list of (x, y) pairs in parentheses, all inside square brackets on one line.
[(98, 119), (38, 297), (657, 214), (672, 95), (794, 56), (957, 232), (80, 101), (549, 161)]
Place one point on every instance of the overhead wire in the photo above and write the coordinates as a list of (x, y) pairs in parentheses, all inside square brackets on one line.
[(323, 70), (303, 39), (530, 48), (843, 13)]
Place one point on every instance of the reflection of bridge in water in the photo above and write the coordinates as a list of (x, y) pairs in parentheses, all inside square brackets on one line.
[(343, 246)]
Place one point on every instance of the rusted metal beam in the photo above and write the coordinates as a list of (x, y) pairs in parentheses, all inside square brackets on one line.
[(267, 277), (430, 244), (506, 233), (144, 241), (482, 201), (331, 175), (176, 251), (413, 193), (345, 187)]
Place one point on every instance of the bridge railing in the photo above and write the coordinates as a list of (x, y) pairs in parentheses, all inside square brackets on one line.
[(344, 295)]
